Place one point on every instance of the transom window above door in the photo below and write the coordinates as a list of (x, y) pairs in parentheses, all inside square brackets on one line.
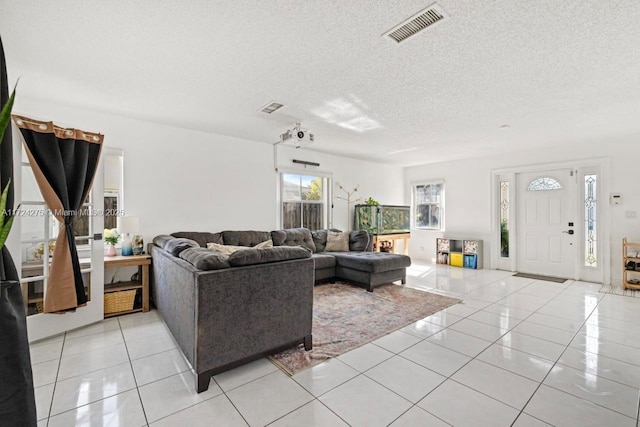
[(544, 183)]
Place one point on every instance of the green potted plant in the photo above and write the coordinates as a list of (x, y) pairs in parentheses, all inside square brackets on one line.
[(6, 220)]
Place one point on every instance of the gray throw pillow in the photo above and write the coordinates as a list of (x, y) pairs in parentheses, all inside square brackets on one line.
[(293, 237), (262, 256), (205, 259), (319, 239), (337, 241), (359, 241), (162, 240), (179, 244), (202, 237)]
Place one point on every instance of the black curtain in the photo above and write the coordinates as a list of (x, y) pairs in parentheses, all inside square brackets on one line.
[(64, 163), (17, 402)]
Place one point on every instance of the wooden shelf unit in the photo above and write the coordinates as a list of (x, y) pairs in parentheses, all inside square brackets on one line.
[(630, 265), (140, 261), (465, 253), (395, 238), (34, 301)]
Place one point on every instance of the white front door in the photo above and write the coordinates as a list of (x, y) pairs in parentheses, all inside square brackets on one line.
[(546, 217)]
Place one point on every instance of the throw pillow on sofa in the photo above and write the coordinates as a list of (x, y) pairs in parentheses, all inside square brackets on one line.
[(262, 256), (229, 249), (201, 237), (319, 239), (162, 240), (359, 241), (205, 259), (265, 244), (226, 249), (179, 244), (293, 237), (337, 241)]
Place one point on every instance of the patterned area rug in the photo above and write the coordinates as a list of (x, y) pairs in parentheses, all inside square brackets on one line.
[(347, 316), (617, 290)]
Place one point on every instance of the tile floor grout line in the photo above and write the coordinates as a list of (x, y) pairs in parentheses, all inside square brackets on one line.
[(556, 362), (224, 393), (450, 377), (638, 410), (495, 342), (55, 383), (135, 380)]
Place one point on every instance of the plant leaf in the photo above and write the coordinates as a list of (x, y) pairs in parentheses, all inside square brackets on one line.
[(5, 115), (4, 231), (3, 202)]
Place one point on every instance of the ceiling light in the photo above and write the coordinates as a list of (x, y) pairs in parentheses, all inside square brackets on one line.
[(271, 107)]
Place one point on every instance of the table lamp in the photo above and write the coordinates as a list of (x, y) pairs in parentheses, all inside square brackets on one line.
[(127, 225)]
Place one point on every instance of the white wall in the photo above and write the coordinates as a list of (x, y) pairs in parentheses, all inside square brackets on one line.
[(178, 179), (468, 193)]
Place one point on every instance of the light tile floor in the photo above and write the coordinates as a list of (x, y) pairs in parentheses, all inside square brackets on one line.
[(517, 352)]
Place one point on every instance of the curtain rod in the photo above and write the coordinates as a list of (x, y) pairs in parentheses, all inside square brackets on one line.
[(25, 122)]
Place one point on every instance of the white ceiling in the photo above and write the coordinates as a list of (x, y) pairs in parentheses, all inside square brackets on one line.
[(556, 72)]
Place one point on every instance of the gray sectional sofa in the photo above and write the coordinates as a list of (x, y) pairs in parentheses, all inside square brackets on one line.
[(226, 310)]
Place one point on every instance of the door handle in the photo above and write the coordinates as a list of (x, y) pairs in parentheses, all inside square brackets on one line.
[(568, 232)]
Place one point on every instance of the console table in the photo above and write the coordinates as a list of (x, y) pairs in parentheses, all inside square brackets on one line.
[(140, 261)]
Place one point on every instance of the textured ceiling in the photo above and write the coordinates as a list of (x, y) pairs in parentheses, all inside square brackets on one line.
[(556, 72)]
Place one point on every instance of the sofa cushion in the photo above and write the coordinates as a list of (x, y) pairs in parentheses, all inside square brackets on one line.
[(359, 241), (162, 240), (373, 262), (179, 244), (225, 249), (205, 259), (319, 239), (324, 261), (245, 237), (201, 237), (262, 256), (337, 241), (293, 237)]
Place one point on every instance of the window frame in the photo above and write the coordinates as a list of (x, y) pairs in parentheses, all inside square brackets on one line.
[(327, 182), (440, 204)]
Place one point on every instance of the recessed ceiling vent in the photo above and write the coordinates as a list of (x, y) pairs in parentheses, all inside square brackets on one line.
[(271, 107), (418, 22)]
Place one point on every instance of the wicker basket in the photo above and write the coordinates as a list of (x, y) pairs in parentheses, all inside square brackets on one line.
[(115, 302)]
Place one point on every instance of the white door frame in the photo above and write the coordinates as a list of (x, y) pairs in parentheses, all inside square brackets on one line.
[(602, 165)]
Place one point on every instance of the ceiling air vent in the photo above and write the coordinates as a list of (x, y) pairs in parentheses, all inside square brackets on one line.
[(418, 22), (271, 107)]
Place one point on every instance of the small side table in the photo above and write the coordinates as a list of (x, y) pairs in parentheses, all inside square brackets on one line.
[(140, 261)]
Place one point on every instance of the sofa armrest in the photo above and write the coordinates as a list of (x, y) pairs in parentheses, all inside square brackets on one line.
[(174, 295), (252, 309)]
